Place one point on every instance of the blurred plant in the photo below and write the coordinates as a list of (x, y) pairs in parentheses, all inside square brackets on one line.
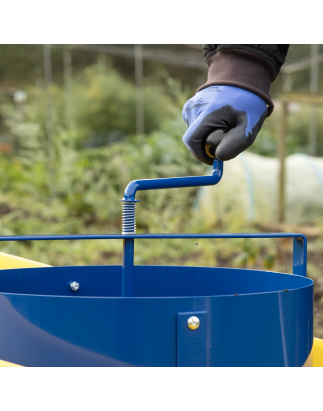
[(104, 106)]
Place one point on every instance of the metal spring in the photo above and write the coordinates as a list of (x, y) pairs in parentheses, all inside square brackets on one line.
[(129, 217)]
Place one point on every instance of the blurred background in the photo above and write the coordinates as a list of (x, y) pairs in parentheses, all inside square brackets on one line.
[(78, 122)]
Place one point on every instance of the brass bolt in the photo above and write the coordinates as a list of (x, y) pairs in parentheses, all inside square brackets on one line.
[(193, 323)]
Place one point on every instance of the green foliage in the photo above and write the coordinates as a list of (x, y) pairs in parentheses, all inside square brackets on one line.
[(77, 190), (105, 105)]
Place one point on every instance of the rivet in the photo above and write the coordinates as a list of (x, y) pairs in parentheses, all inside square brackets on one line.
[(193, 323), (74, 286)]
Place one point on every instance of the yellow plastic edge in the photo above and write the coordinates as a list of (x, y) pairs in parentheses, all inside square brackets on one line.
[(8, 364), (318, 353), (8, 261)]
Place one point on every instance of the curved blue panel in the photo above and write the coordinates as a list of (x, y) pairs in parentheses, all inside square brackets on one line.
[(149, 281), (44, 323)]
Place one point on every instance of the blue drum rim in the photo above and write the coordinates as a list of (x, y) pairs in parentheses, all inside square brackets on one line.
[(309, 283)]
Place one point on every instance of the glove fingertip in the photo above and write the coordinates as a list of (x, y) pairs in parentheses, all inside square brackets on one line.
[(223, 154)]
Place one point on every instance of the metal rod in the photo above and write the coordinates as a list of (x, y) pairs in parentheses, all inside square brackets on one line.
[(129, 212), (127, 267), (175, 182), (299, 247), (146, 236)]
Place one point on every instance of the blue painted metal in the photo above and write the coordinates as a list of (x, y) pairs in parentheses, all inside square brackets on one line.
[(300, 255), (43, 323), (300, 246), (127, 267), (192, 344), (129, 216), (147, 236), (176, 182)]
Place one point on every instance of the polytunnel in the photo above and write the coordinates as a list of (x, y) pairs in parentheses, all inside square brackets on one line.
[(249, 189)]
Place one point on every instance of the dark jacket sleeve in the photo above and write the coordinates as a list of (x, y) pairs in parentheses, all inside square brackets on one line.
[(250, 66)]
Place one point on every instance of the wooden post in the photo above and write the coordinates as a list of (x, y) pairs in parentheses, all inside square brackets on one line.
[(49, 116), (140, 119), (314, 86), (281, 157), (68, 88)]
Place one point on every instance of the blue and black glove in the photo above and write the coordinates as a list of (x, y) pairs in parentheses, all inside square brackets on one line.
[(222, 122)]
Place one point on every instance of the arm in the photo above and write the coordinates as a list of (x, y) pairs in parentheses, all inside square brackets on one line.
[(227, 112), (252, 67)]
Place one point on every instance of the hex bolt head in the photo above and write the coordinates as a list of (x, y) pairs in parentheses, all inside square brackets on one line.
[(193, 323), (74, 286)]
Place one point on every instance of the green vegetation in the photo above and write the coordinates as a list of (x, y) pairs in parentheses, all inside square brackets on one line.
[(78, 191)]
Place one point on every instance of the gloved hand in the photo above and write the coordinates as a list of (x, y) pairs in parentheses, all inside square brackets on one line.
[(222, 122)]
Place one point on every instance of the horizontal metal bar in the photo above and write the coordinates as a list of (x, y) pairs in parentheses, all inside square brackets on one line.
[(174, 182), (147, 236)]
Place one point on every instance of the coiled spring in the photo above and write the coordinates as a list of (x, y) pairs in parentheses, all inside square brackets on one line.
[(129, 217)]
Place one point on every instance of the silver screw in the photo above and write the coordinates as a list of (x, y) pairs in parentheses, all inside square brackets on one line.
[(74, 286), (193, 323)]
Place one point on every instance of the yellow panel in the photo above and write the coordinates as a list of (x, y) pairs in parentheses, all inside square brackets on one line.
[(8, 364), (8, 261), (309, 361), (318, 353)]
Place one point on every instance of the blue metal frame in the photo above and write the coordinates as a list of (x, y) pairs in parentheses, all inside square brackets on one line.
[(299, 242)]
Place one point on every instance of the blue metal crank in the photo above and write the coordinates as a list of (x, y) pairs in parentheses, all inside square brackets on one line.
[(129, 212)]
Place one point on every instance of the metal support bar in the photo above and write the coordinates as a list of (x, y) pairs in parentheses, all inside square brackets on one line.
[(127, 267), (300, 256), (146, 236), (192, 343), (299, 253)]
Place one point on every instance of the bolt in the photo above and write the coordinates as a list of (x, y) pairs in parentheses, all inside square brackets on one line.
[(193, 323), (74, 286)]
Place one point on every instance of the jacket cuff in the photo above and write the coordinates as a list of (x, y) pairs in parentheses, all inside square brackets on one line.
[(242, 69)]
